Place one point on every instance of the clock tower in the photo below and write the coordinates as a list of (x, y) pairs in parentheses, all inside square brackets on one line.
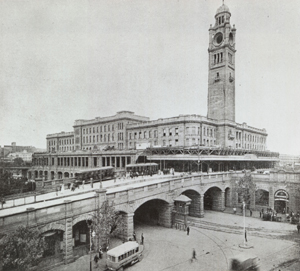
[(221, 67)]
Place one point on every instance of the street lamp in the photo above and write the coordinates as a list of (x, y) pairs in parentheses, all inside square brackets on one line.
[(244, 232), (92, 235)]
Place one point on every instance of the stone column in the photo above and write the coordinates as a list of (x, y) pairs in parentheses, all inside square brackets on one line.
[(128, 231), (31, 217), (271, 197), (201, 205), (165, 215), (101, 196), (121, 165), (222, 203), (68, 235)]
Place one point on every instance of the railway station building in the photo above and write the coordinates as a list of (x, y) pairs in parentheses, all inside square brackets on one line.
[(185, 142)]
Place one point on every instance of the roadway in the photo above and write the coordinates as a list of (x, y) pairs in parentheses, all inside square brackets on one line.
[(84, 191)]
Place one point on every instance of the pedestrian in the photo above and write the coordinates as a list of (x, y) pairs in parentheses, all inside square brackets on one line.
[(96, 259), (246, 235), (193, 255), (250, 212), (298, 227), (259, 214), (234, 210), (188, 230), (134, 236), (100, 252), (57, 188), (142, 239)]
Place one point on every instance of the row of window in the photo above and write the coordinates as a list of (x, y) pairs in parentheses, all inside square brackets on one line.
[(218, 58), (83, 161), (220, 20), (250, 138), (67, 141), (102, 128), (145, 134), (51, 142), (251, 146)]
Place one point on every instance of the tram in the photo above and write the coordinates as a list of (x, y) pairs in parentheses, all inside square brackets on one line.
[(143, 168), (97, 174)]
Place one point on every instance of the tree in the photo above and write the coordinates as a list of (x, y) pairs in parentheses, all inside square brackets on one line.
[(18, 162), (22, 249), (106, 222), (9, 185), (245, 187)]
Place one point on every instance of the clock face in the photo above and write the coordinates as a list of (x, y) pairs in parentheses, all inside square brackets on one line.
[(218, 38)]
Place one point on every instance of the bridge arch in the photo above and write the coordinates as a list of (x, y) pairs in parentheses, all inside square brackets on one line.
[(155, 211), (261, 198), (52, 226), (194, 207), (214, 199), (53, 234), (83, 217)]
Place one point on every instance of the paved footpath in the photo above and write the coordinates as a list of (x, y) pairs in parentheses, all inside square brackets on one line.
[(216, 239)]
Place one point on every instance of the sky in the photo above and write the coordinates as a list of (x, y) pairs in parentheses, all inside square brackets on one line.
[(62, 60)]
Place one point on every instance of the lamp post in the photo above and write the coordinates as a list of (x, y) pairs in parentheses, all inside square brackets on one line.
[(92, 235), (244, 214)]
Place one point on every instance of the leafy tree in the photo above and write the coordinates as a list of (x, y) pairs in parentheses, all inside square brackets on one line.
[(5, 182), (18, 162), (22, 249), (9, 185), (245, 188), (106, 222)]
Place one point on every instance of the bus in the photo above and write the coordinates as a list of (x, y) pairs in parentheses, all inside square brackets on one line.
[(126, 254), (145, 168), (101, 173)]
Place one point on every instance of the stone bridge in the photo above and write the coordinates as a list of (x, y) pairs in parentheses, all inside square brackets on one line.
[(150, 200)]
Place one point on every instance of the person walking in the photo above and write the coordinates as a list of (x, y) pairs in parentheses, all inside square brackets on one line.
[(142, 239), (246, 235), (250, 212), (298, 227), (194, 255), (188, 230), (100, 252), (134, 236)]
